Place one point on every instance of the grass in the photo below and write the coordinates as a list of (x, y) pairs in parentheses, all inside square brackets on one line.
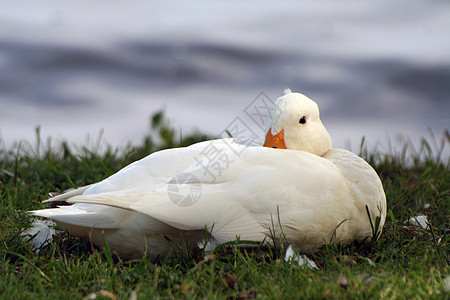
[(406, 262)]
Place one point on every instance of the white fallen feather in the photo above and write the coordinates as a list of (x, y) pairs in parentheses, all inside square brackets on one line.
[(208, 245), (447, 283), (301, 260), (40, 233), (370, 262), (419, 220)]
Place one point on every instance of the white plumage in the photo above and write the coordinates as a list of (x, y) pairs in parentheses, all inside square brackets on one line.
[(308, 193)]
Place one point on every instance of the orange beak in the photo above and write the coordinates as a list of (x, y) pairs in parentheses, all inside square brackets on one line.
[(275, 141)]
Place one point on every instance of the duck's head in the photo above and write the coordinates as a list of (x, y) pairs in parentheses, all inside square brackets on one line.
[(295, 124)]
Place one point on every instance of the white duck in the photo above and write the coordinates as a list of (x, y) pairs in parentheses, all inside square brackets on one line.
[(306, 195)]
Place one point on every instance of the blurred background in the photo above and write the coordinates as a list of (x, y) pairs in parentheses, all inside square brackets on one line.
[(378, 69)]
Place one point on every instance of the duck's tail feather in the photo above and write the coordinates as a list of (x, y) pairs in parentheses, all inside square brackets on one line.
[(66, 195), (71, 215)]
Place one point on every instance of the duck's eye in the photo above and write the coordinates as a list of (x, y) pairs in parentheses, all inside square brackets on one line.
[(302, 120)]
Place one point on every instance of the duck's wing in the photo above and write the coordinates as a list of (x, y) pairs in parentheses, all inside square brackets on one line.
[(154, 169), (255, 192), (145, 175)]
